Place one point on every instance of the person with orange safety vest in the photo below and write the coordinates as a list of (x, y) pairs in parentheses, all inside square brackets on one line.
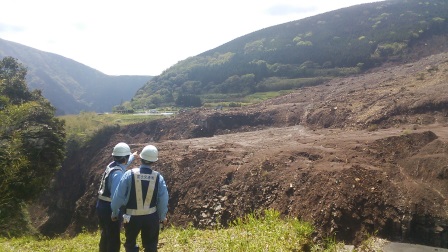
[(144, 194), (110, 231)]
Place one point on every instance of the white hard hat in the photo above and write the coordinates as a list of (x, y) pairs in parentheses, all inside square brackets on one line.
[(121, 150), (149, 153)]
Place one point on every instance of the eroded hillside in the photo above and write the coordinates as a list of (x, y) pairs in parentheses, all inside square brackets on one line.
[(356, 156)]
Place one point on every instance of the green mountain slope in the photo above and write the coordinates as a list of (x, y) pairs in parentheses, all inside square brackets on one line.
[(69, 85), (302, 52)]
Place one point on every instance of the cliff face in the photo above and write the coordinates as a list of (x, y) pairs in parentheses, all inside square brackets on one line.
[(355, 156)]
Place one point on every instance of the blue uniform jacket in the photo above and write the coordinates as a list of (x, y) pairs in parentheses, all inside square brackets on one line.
[(121, 195), (114, 179)]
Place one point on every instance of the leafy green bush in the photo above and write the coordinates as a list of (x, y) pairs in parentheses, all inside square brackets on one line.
[(20, 225), (188, 100), (31, 142)]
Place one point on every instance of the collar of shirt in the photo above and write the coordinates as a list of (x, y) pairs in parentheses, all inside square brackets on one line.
[(123, 167), (145, 166)]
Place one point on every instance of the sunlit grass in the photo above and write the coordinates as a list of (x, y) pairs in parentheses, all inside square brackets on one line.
[(262, 96), (240, 100), (81, 127), (88, 122), (255, 232), (82, 242), (252, 233)]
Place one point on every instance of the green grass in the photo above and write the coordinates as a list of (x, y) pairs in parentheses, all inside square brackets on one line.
[(79, 128), (88, 122), (262, 96), (82, 242), (214, 100), (254, 232)]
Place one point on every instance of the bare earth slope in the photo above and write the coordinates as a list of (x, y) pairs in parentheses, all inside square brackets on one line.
[(357, 156)]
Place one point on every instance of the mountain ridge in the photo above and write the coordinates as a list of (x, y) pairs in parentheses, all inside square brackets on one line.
[(71, 86), (300, 53)]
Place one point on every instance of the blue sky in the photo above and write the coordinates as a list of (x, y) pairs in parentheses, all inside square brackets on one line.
[(144, 37)]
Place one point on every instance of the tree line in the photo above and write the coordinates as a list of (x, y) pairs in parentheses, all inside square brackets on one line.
[(32, 143)]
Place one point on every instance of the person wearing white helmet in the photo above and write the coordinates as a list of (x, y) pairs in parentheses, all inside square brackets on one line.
[(144, 194), (110, 231)]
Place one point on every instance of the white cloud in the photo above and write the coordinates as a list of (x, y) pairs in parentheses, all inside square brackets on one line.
[(140, 36)]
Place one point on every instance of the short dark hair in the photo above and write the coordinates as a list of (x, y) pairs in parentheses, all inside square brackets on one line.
[(146, 162), (121, 159)]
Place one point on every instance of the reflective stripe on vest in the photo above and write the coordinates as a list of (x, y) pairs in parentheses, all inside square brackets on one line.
[(143, 206), (103, 192), (101, 197)]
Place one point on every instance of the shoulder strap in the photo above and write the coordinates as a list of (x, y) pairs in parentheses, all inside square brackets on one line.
[(143, 206)]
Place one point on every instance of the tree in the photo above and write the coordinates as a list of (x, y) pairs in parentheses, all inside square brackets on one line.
[(31, 139), (188, 100)]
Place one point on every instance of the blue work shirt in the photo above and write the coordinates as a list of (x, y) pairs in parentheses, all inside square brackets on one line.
[(121, 195), (114, 178)]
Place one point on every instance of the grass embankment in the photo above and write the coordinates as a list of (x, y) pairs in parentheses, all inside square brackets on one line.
[(86, 123), (80, 128), (254, 232)]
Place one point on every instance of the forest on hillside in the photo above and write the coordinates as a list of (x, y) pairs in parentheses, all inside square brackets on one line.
[(299, 53)]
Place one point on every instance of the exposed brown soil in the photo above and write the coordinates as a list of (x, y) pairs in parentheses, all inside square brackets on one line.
[(357, 156)]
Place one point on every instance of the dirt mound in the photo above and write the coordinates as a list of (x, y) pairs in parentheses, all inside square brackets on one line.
[(356, 156)]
